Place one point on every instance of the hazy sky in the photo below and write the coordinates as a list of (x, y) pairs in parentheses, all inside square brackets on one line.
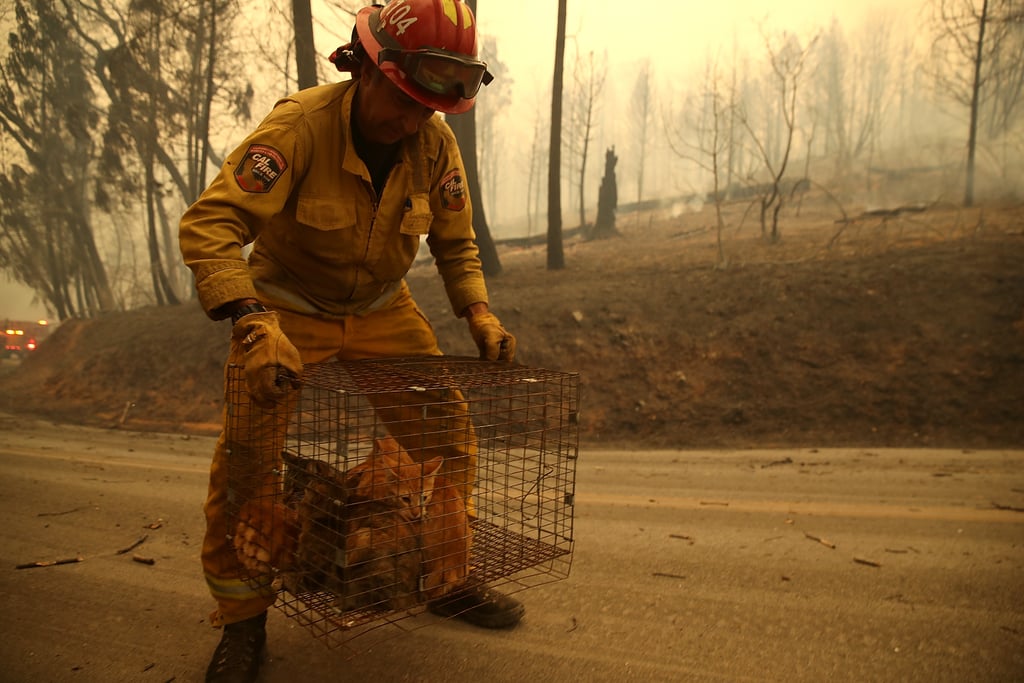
[(676, 35), (16, 302)]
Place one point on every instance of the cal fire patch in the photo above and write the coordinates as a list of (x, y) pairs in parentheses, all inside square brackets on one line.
[(453, 191), (260, 168)]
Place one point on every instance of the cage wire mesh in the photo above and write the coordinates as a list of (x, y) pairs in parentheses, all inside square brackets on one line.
[(388, 483)]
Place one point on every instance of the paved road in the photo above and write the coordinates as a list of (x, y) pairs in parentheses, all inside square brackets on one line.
[(689, 566)]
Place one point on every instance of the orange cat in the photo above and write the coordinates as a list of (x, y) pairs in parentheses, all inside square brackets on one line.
[(395, 501), (390, 477), (387, 534), (445, 540), (389, 493)]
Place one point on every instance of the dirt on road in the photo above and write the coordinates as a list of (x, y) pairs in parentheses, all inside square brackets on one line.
[(898, 329), (795, 565)]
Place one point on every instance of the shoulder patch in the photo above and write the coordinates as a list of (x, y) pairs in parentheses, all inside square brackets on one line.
[(453, 191), (260, 168)]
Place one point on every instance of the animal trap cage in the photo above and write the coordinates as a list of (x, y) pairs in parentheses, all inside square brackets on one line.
[(385, 484)]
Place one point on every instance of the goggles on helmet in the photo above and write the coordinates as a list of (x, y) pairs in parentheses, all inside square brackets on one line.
[(439, 72)]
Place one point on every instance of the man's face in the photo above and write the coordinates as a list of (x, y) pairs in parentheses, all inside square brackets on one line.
[(385, 114)]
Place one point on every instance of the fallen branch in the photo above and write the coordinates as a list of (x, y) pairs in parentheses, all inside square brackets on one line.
[(58, 514), (997, 506), (124, 413), (143, 560), (870, 563), (827, 544), (49, 563), (668, 576), (133, 546)]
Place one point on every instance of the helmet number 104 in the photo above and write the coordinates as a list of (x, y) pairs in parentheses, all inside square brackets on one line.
[(397, 14)]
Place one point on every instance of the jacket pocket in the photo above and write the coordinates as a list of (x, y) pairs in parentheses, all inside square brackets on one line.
[(417, 217), (325, 214)]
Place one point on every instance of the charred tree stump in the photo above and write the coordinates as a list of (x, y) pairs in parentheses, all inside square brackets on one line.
[(607, 200)]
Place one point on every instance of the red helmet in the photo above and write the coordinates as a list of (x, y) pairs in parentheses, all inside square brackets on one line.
[(428, 49)]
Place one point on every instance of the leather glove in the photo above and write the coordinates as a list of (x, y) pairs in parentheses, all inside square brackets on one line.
[(272, 363), (493, 340)]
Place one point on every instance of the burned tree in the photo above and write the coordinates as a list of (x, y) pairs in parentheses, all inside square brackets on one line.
[(607, 199)]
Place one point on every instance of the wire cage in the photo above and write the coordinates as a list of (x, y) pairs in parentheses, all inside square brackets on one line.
[(387, 483)]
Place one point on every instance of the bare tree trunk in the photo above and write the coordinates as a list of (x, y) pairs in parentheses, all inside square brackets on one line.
[(161, 287), (556, 255), (972, 138), (591, 84), (209, 88), (641, 111), (583, 182), (305, 52), (716, 172), (787, 67), (533, 181), (464, 127)]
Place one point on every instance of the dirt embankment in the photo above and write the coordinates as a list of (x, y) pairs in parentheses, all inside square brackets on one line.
[(909, 331)]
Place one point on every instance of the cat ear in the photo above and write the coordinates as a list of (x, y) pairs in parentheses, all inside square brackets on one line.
[(432, 466), (386, 444)]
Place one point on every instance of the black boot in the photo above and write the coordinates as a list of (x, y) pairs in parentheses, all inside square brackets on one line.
[(476, 604), (238, 657)]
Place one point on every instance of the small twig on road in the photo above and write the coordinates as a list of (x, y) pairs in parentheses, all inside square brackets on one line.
[(682, 537), (869, 563), (665, 575), (49, 563), (997, 506), (58, 514), (775, 463), (143, 560), (124, 414), (133, 546), (714, 502), (827, 544), (575, 624), (154, 525)]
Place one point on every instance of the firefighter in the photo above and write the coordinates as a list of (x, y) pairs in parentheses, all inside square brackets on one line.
[(334, 190)]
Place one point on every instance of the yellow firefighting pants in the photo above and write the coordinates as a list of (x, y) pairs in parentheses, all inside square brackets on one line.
[(423, 425)]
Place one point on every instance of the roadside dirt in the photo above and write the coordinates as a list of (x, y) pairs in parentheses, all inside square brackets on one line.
[(907, 331)]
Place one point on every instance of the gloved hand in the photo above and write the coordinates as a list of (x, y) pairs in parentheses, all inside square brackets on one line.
[(272, 363), (493, 340), (266, 536)]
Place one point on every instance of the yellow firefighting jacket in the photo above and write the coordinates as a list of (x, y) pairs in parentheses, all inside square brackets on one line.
[(323, 243)]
